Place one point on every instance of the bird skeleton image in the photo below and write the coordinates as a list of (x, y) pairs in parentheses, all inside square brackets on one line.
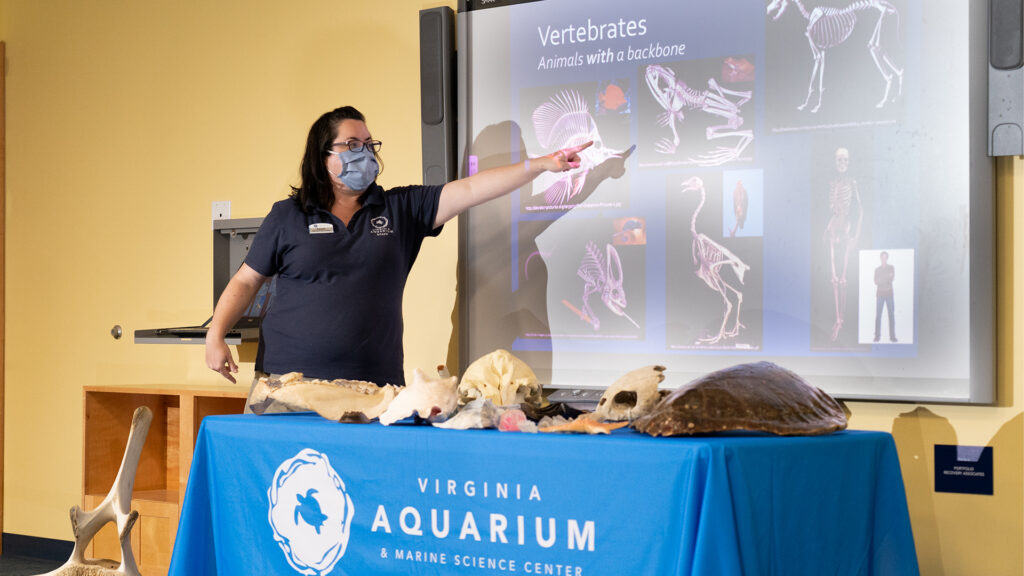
[(116, 508), (842, 232), (709, 257), (562, 122), (602, 274), (828, 27), (674, 96)]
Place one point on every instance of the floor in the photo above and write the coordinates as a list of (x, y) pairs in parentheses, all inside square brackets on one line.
[(22, 566)]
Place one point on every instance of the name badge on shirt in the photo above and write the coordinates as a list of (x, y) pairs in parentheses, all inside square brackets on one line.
[(321, 228)]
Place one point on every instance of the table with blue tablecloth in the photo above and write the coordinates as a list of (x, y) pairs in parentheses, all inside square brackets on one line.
[(295, 493)]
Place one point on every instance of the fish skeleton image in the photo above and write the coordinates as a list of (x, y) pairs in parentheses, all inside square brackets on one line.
[(562, 122)]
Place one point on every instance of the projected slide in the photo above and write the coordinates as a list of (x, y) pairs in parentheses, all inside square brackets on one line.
[(784, 180)]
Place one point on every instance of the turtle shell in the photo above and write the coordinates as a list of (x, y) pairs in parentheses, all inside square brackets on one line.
[(761, 397)]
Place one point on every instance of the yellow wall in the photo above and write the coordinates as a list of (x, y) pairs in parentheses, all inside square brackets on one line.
[(126, 119), (960, 534)]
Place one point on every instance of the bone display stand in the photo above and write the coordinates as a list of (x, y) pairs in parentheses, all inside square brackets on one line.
[(114, 508), (162, 466)]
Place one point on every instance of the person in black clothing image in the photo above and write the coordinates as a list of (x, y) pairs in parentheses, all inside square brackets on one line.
[(884, 275)]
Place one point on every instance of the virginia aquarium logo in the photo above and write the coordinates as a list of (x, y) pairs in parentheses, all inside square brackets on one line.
[(310, 512), (381, 226)]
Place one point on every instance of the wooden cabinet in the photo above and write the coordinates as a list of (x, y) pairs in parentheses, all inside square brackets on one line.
[(163, 466)]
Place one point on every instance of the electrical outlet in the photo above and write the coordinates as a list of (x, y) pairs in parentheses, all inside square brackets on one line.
[(222, 210)]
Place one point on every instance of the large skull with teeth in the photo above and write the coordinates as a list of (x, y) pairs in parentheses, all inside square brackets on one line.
[(631, 396)]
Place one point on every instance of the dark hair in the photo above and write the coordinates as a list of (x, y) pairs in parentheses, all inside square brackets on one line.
[(315, 189)]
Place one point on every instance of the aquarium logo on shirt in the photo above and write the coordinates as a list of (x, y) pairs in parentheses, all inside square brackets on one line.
[(310, 512), (381, 226)]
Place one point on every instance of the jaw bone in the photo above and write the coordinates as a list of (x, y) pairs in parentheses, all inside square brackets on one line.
[(114, 508), (338, 400)]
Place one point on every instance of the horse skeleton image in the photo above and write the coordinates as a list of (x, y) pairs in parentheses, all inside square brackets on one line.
[(602, 275), (674, 96), (559, 123), (709, 257), (828, 27)]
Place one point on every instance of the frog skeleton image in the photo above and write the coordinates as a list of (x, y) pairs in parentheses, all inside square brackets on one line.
[(674, 96)]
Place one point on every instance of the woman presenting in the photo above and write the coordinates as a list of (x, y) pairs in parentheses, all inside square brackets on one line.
[(342, 247)]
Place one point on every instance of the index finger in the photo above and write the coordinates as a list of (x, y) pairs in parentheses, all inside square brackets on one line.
[(580, 148), (227, 374)]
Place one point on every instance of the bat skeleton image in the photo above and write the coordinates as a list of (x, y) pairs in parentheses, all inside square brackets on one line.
[(709, 257), (562, 122), (828, 27), (674, 96), (602, 275)]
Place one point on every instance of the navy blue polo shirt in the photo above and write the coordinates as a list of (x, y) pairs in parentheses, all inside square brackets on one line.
[(337, 312)]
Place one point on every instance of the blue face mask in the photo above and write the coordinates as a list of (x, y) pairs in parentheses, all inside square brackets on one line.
[(359, 169)]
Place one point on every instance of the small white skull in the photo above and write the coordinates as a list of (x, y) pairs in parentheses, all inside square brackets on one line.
[(432, 399), (631, 396)]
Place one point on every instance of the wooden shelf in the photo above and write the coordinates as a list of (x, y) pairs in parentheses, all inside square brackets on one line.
[(163, 466), (164, 496)]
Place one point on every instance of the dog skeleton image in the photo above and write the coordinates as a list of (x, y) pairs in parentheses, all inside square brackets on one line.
[(709, 257), (674, 96), (828, 27)]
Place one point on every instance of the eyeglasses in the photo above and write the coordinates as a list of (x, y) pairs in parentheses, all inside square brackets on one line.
[(358, 145)]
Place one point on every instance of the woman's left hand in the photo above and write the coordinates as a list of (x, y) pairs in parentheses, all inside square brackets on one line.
[(568, 158)]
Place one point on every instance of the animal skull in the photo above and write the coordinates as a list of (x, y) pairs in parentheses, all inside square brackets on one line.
[(432, 399), (501, 378), (631, 396)]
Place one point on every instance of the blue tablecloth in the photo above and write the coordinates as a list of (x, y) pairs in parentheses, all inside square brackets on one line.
[(298, 494)]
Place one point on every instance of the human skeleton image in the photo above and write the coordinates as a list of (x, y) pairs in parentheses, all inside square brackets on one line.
[(842, 232)]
